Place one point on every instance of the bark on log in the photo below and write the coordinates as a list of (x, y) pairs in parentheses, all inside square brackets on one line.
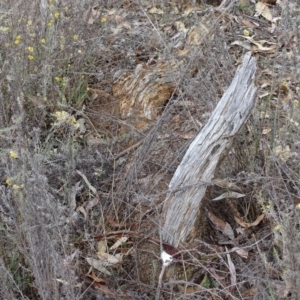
[(181, 206)]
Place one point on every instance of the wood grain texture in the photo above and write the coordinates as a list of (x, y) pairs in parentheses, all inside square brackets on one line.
[(137, 100), (187, 187), (143, 93)]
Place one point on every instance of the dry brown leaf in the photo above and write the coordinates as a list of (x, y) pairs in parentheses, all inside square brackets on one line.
[(266, 131), (228, 231), (180, 26), (118, 243), (261, 49), (107, 259), (258, 220), (155, 10), (260, 45), (187, 9), (98, 265), (112, 12), (249, 24), (241, 252), (264, 95), (242, 44), (182, 52), (232, 270), (247, 225), (263, 10), (221, 225), (193, 37), (226, 184), (102, 246), (217, 276), (250, 293), (62, 281), (96, 279), (284, 86), (241, 222), (125, 25), (187, 136), (226, 195), (218, 223), (82, 210)]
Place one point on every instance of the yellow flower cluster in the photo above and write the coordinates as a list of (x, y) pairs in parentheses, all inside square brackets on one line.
[(65, 117), (9, 182), (18, 40), (51, 22), (13, 154), (61, 80)]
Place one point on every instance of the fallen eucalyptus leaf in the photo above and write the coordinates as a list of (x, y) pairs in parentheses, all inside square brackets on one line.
[(119, 242), (98, 265), (241, 252), (232, 270), (107, 259), (221, 225), (229, 195), (247, 225)]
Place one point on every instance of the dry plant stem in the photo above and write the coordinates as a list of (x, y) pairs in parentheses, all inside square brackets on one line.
[(136, 145), (157, 296), (112, 194)]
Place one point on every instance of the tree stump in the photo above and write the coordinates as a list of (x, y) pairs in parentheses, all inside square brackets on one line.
[(137, 100), (188, 185)]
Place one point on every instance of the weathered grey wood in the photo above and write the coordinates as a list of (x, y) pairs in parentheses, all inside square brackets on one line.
[(181, 206)]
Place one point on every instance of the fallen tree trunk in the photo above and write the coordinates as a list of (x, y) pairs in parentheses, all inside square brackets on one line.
[(181, 206)]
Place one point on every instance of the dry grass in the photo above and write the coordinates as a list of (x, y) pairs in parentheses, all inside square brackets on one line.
[(51, 55)]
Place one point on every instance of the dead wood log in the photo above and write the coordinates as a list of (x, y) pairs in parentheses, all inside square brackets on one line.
[(137, 100), (187, 187)]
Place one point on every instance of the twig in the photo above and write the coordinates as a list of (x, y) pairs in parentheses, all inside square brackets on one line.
[(166, 260), (160, 282)]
